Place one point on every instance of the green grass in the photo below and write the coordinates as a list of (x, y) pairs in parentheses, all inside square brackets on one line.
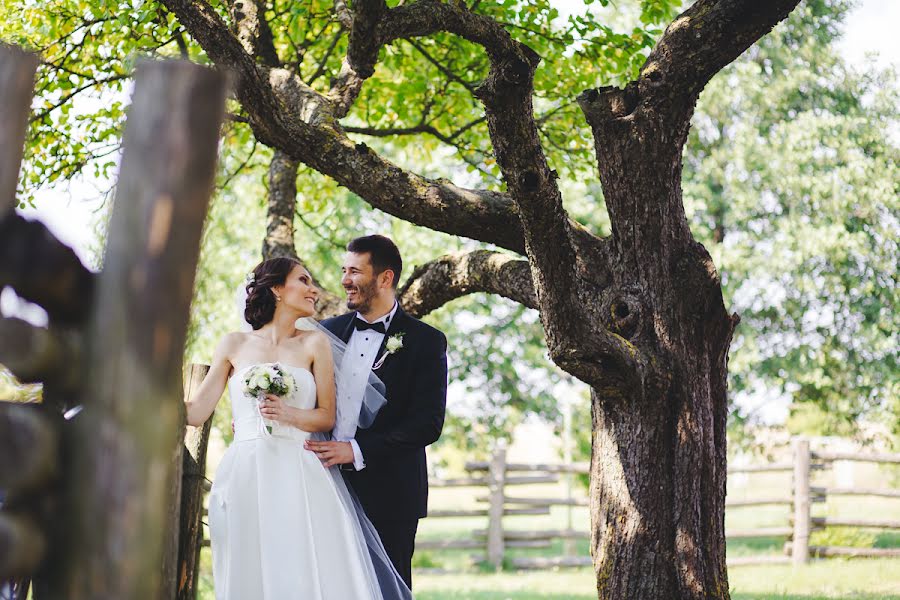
[(860, 580), (856, 579)]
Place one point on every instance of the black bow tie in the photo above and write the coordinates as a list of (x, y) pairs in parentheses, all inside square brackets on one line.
[(363, 325)]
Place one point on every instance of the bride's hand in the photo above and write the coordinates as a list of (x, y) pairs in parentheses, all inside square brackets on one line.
[(275, 409)]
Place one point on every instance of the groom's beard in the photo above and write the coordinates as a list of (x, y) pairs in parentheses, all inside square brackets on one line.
[(364, 296)]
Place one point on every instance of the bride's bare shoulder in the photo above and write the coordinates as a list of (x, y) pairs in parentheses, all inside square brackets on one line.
[(308, 335), (312, 338), (234, 340)]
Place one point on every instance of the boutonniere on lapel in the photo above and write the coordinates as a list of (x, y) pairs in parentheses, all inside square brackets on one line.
[(393, 344)]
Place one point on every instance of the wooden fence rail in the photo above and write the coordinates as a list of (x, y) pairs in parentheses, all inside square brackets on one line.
[(800, 498)]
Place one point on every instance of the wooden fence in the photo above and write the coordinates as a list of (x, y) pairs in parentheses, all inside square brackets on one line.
[(91, 476), (494, 483)]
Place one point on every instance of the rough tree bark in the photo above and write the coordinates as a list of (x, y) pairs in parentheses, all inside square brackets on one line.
[(638, 316)]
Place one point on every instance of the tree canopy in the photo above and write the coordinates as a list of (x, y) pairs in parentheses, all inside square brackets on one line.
[(799, 213)]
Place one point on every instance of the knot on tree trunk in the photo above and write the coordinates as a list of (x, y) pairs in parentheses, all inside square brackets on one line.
[(623, 312), (529, 181), (518, 71), (509, 80), (607, 103)]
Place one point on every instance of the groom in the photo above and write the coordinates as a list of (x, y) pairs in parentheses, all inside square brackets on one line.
[(385, 463)]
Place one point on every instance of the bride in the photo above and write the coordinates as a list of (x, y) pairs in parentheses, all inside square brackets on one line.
[(282, 525)]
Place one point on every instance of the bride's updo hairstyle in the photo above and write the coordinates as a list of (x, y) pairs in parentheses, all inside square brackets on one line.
[(260, 308)]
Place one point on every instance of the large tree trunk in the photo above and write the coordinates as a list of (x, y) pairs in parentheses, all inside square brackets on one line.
[(658, 469), (658, 472)]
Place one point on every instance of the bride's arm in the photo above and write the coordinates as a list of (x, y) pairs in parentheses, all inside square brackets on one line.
[(204, 402), (320, 418)]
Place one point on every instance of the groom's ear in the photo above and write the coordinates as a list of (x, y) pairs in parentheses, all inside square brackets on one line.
[(386, 278)]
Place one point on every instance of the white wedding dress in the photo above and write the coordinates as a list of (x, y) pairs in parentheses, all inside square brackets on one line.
[(283, 527)]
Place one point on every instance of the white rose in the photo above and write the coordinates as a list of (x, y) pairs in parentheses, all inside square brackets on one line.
[(289, 382), (394, 344)]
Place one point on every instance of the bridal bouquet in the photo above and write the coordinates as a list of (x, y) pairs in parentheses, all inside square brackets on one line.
[(268, 379)]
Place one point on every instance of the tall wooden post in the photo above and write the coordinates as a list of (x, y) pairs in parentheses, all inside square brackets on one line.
[(128, 433), (800, 546), (17, 70), (116, 352), (190, 530), (27, 441), (496, 492)]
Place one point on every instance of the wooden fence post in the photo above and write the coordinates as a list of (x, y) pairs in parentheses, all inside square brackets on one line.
[(128, 433), (800, 545), (190, 530), (569, 544), (28, 466), (116, 352), (17, 69), (496, 492)]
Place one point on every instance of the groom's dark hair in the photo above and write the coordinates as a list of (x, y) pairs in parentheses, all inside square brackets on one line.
[(383, 254)]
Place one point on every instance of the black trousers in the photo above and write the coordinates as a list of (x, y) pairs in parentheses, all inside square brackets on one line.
[(399, 540)]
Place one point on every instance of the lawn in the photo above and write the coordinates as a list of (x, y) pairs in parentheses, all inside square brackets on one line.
[(859, 579), (862, 579), (875, 579)]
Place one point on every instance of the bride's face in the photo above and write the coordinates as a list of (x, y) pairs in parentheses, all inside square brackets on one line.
[(298, 292)]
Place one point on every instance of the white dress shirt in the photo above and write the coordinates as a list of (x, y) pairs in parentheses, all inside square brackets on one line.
[(362, 348)]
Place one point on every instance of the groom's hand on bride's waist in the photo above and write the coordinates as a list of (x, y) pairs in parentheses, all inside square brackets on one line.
[(331, 453)]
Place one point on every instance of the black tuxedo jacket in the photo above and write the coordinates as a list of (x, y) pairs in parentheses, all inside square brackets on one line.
[(394, 483)]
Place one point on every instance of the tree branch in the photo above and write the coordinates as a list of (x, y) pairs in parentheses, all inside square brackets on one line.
[(639, 131), (344, 16), (345, 89), (299, 122), (423, 128), (442, 68), (452, 276), (252, 30), (507, 97), (699, 43), (365, 41), (279, 240), (225, 50)]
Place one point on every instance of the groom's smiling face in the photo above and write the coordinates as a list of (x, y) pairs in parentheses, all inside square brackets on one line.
[(359, 281)]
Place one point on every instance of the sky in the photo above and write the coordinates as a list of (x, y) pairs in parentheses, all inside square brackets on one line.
[(70, 211)]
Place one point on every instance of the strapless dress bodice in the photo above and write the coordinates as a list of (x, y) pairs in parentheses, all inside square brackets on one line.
[(249, 424)]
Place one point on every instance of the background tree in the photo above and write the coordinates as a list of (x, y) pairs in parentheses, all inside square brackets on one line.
[(802, 211)]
